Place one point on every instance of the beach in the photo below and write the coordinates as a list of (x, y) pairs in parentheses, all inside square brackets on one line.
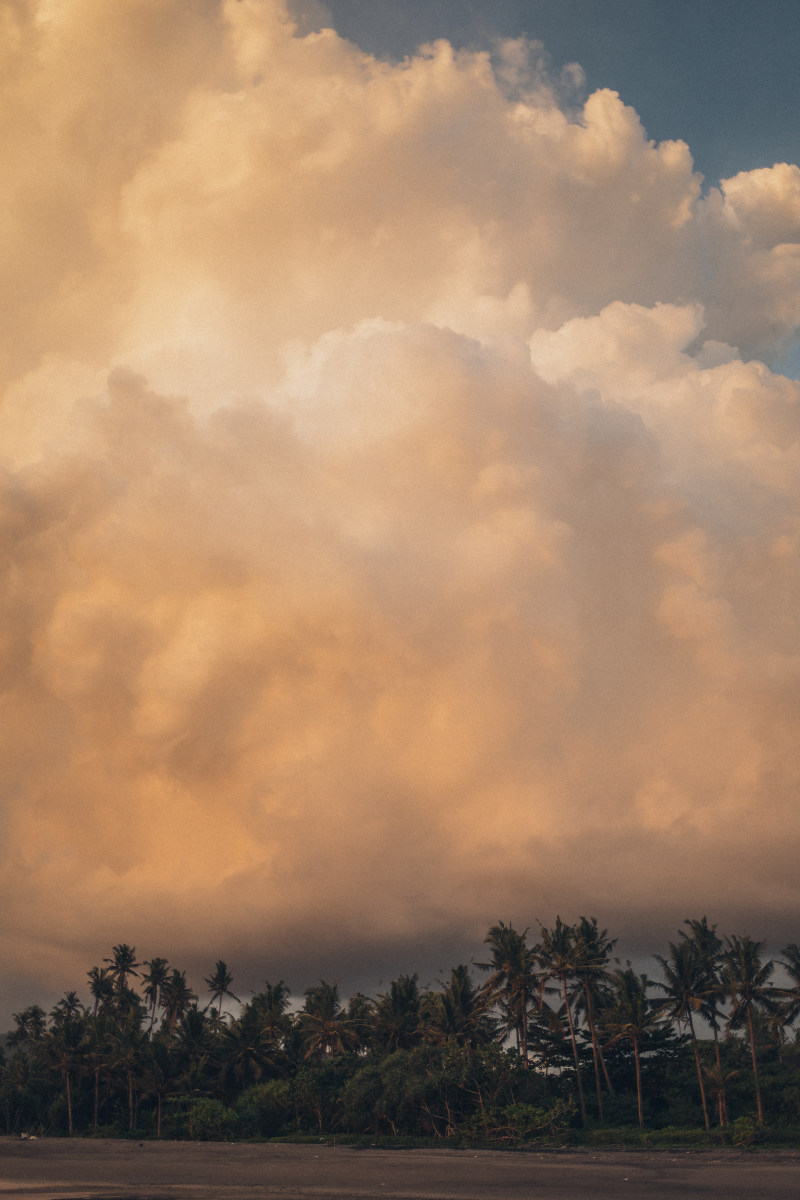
[(60, 1169)]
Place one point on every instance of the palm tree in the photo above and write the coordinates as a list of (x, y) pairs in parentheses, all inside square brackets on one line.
[(31, 1024), (101, 987), (219, 984), (513, 984), (128, 1040), (593, 951), (397, 1014), (155, 979), (323, 1022), (159, 1073), (709, 951), (361, 1016), (632, 1015), (176, 996), (688, 987), (59, 1048), (122, 964), (790, 1008), (269, 1007), (98, 1054), (559, 956), (69, 1008), (747, 979), (459, 1012), (247, 1050)]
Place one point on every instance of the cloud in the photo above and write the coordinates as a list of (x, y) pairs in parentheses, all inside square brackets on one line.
[(399, 531)]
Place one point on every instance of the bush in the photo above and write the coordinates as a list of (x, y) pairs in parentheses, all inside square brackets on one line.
[(199, 1119), (745, 1131), (265, 1110)]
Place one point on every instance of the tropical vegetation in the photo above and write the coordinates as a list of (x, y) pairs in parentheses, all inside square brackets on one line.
[(546, 1037)]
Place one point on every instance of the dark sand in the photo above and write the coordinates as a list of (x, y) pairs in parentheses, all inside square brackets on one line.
[(55, 1169)]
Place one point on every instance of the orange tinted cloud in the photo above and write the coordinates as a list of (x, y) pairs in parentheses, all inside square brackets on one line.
[(396, 538)]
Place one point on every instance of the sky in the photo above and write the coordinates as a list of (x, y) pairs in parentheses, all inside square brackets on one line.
[(399, 480)]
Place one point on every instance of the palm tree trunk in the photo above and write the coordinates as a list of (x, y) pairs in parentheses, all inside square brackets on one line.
[(574, 1051), (595, 1050), (638, 1081), (699, 1072), (69, 1103), (755, 1064), (721, 1101)]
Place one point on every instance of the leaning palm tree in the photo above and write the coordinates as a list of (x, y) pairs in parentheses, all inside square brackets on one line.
[(747, 979), (559, 956), (688, 987), (513, 985)]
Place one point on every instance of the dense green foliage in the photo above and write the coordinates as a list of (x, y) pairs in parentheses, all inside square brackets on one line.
[(550, 1040)]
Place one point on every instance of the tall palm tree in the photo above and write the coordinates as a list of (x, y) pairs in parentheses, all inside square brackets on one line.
[(155, 979), (747, 979), (559, 956), (593, 948), (687, 986), (513, 985), (128, 1041), (709, 952), (176, 998), (122, 964), (98, 1054), (159, 1072), (219, 984), (58, 1048), (632, 1015)]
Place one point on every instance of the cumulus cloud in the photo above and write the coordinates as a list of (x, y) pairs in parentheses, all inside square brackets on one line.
[(401, 530)]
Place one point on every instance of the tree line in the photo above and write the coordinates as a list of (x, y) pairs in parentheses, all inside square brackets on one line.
[(542, 1035)]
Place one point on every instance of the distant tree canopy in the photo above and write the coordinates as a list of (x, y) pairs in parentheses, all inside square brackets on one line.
[(550, 1034)]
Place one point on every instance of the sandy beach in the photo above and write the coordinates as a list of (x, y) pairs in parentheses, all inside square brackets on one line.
[(54, 1169)]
